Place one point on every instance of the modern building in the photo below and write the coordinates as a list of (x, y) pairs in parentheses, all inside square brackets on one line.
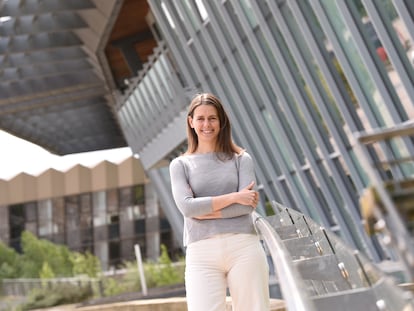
[(324, 105), (106, 210), (304, 83)]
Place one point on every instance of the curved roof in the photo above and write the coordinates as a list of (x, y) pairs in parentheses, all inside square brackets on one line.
[(59, 68)]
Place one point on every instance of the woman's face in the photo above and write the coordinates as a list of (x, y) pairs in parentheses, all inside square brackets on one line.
[(206, 123)]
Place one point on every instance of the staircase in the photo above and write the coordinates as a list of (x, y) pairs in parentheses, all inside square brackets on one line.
[(317, 271)]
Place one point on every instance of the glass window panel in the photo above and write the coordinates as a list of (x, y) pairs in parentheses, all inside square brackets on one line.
[(86, 216), (99, 208), (201, 9), (45, 228), (312, 210), (288, 194), (279, 141), (221, 24), (112, 201), (375, 101), (30, 210), (189, 16), (234, 19), (165, 73), (58, 220), (16, 225), (168, 15), (114, 254), (72, 222), (161, 83), (248, 11)]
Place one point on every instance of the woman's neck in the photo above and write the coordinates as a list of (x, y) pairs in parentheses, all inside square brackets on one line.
[(201, 151), (205, 148)]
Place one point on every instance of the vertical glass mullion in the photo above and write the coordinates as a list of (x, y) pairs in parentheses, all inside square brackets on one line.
[(231, 27), (342, 100), (332, 23), (153, 93), (294, 79), (125, 124), (333, 127), (253, 62), (227, 48), (136, 110), (405, 10), (378, 90), (191, 60), (161, 85), (173, 40), (305, 145), (395, 51), (141, 103), (133, 119)]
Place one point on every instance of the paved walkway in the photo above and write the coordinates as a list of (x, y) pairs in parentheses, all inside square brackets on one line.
[(162, 304)]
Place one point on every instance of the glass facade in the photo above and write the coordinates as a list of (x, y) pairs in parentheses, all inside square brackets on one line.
[(301, 79), (106, 223)]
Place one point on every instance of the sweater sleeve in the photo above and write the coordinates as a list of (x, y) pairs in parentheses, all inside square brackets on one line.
[(183, 195), (246, 176)]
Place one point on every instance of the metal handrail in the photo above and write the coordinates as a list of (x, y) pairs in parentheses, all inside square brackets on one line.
[(293, 291)]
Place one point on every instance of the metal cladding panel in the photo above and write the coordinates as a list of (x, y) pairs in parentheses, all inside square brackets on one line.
[(22, 188), (4, 191), (131, 172), (300, 80), (50, 183), (104, 176), (78, 180)]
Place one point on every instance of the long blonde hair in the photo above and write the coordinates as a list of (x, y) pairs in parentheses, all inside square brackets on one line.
[(225, 144)]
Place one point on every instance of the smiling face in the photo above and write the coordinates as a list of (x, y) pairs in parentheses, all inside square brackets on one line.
[(206, 124)]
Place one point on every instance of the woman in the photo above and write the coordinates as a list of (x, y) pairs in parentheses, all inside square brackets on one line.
[(213, 187)]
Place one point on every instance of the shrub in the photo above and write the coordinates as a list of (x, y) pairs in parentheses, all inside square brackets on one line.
[(57, 295), (162, 273)]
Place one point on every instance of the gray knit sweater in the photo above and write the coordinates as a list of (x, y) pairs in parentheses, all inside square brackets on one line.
[(196, 178)]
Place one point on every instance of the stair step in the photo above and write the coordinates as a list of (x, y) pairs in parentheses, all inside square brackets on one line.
[(287, 232), (307, 247)]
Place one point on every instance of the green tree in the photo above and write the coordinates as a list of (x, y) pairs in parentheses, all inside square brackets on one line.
[(9, 262), (46, 272), (163, 273), (36, 252), (85, 263)]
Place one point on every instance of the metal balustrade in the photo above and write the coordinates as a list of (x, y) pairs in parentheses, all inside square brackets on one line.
[(318, 271)]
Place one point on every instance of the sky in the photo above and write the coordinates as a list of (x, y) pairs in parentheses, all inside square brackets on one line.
[(18, 155)]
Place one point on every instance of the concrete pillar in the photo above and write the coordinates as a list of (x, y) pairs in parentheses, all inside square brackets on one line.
[(152, 223), (4, 224), (126, 223)]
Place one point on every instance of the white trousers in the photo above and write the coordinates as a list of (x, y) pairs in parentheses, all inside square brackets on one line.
[(234, 260)]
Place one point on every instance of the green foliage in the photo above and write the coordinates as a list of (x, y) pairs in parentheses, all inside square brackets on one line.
[(114, 287), (132, 278), (57, 295), (269, 209), (46, 272), (37, 251), (9, 262), (162, 273), (86, 264), (44, 259)]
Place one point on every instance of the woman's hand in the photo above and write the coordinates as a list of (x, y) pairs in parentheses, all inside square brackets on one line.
[(248, 196)]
